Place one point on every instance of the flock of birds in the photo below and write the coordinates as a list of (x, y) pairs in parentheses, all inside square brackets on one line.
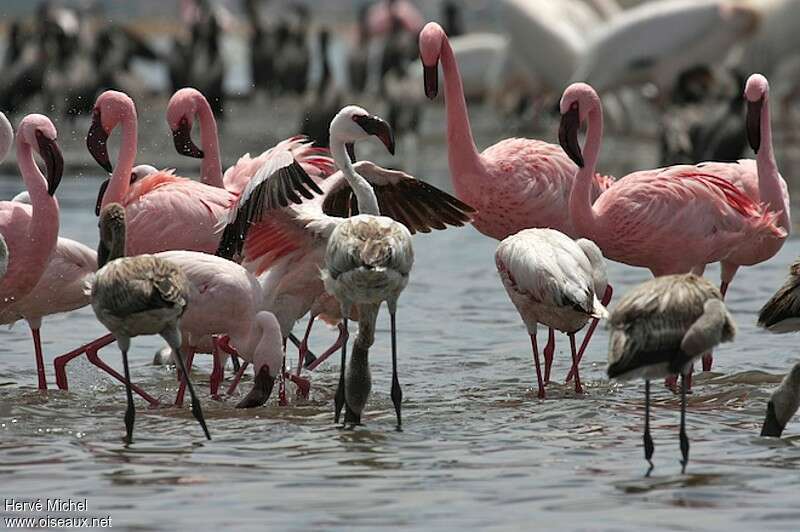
[(228, 264)]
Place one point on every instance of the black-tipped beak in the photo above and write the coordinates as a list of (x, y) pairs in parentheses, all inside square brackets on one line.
[(753, 123), (351, 151), (378, 127), (771, 425), (431, 75), (182, 137), (568, 135), (97, 142), (262, 388), (100, 194), (53, 161)]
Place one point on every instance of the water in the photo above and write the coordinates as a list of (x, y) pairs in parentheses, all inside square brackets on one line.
[(478, 449)]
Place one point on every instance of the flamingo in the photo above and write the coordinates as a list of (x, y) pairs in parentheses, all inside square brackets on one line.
[(554, 280), (287, 248), (3, 257), (761, 180), (166, 211), (515, 184), (31, 231), (136, 296), (189, 104), (781, 314), (658, 329)]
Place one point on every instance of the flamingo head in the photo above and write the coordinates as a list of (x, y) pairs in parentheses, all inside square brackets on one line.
[(353, 123), (430, 50), (267, 360), (110, 109), (39, 133), (577, 102), (756, 91), (181, 110)]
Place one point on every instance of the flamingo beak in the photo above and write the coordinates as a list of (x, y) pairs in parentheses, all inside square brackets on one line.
[(431, 76), (771, 425), (100, 194), (568, 135), (262, 389), (53, 161), (753, 123), (378, 127), (182, 138), (97, 142)]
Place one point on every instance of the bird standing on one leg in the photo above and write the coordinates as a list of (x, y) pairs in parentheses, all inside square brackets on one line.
[(659, 329)]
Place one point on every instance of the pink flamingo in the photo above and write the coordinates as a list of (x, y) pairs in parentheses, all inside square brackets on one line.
[(761, 181), (515, 184), (188, 104), (289, 245), (667, 219), (166, 211), (31, 231)]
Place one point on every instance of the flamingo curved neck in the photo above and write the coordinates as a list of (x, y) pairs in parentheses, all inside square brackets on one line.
[(121, 177), (211, 166), (463, 156), (769, 181), (367, 202), (580, 201)]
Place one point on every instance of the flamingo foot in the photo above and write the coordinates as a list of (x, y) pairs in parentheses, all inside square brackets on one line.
[(303, 385), (340, 341), (60, 363), (708, 361), (182, 386), (237, 378), (92, 356)]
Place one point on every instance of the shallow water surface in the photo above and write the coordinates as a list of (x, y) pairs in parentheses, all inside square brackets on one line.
[(477, 449)]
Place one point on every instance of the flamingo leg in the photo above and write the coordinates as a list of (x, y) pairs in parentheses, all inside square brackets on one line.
[(130, 411), (37, 347), (60, 363), (397, 392), (303, 348), (549, 353), (671, 382), (303, 344), (282, 401), (92, 356), (592, 326), (647, 438), (683, 438), (182, 377), (218, 373), (538, 367), (339, 397), (343, 336), (575, 362), (237, 378), (173, 339)]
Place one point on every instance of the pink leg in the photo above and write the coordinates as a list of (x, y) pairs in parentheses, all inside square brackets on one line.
[(37, 347), (538, 368), (282, 384), (218, 373), (60, 363), (304, 346), (237, 378), (671, 382), (592, 326), (91, 355), (182, 387), (343, 336), (575, 362), (549, 352)]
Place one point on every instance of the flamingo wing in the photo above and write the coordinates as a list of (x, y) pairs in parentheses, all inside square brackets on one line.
[(414, 203)]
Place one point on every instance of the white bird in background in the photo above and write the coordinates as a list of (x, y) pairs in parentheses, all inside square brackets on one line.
[(135, 296), (659, 329), (553, 280)]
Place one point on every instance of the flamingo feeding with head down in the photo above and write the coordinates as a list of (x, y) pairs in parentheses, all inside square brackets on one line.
[(30, 230), (659, 329), (761, 180), (553, 280), (515, 184), (287, 248)]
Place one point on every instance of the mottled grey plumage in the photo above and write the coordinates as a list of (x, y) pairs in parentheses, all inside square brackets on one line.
[(662, 325), (781, 313), (139, 295)]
